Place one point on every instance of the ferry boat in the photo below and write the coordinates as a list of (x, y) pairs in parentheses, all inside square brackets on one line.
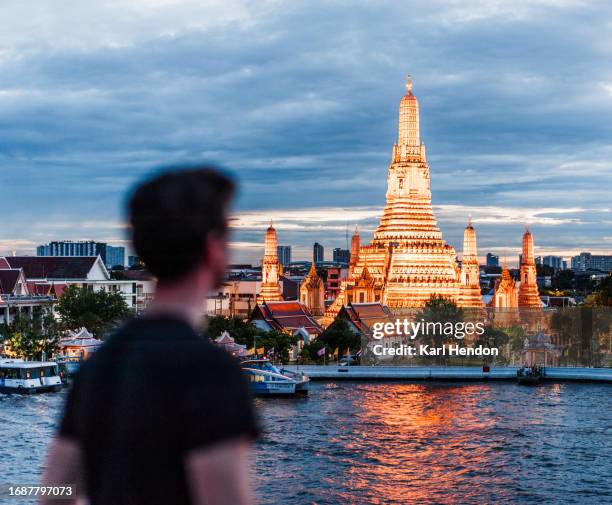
[(70, 364), (23, 377), (267, 380), (302, 381)]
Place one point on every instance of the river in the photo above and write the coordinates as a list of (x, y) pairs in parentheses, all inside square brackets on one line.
[(375, 443)]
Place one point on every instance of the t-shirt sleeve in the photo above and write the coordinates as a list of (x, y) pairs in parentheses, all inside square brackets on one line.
[(219, 407)]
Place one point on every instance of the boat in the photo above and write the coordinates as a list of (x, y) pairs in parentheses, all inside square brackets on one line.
[(24, 377), (528, 376), (267, 380), (70, 364), (302, 381)]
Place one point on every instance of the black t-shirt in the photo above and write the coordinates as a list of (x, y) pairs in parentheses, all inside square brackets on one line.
[(151, 394)]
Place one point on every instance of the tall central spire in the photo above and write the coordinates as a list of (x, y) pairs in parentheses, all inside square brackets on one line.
[(408, 215), (408, 133)]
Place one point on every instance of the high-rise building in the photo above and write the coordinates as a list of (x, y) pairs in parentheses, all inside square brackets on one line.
[(554, 262), (284, 254), (318, 253), (133, 261), (341, 255), (492, 260), (587, 261), (115, 256), (111, 255)]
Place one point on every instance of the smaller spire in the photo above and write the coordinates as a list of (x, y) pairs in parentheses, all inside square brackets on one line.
[(469, 219), (356, 230)]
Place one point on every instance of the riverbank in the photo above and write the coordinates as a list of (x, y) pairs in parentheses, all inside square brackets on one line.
[(448, 373)]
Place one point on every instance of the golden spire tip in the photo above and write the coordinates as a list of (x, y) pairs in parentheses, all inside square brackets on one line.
[(408, 83)]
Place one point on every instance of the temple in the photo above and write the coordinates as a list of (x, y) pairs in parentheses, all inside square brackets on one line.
[(506, 294), (408, 260), (312, 292), (270, 290), (528, 296), (470, 295)]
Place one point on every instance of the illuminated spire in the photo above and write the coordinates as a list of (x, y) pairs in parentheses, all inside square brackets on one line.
[(408, 131)]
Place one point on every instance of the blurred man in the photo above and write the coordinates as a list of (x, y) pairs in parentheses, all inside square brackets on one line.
[(159, 415)]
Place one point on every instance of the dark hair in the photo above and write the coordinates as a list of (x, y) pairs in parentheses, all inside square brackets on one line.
[(172, 216)]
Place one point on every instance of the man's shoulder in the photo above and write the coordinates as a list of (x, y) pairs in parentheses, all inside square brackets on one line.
[(190, 353)]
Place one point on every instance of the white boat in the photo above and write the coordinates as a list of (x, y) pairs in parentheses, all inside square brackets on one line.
[(23, 377), (267, 380)]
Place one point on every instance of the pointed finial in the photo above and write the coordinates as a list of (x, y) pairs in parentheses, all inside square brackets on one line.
[(469, 219), (356, 229), (408, 83)]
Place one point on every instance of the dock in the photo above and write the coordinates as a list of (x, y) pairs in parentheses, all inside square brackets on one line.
[(446, 373)]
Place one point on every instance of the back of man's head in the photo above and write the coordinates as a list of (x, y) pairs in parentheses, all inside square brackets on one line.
[(174, 216)]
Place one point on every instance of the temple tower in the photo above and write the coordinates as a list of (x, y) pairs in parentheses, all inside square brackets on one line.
[(270, 290), (470, 270), (312, 292), (529, 296), (408, 258), (355, 245)]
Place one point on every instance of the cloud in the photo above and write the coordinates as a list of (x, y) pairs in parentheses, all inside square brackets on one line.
[(300, 101)]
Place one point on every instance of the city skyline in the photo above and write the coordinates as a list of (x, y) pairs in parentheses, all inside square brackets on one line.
[(515, 134)]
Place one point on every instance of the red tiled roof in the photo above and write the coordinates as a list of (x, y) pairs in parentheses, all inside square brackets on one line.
[(53, 267), (39, 288), (364, 315), (287, 316), (59, 289), (8, 280)]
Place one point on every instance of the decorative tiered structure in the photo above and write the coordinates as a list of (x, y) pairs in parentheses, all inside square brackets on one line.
[(529, 296), (470, 295), (408, 260), (506, 295), (271, 269), (312, 292)]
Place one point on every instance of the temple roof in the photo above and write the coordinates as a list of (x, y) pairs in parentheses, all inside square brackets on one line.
[(287, 316), (8, 281), (365, 315), (53, 267)]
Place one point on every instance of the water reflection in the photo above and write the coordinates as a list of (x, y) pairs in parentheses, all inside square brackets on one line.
[(398, 443), (436, 443)]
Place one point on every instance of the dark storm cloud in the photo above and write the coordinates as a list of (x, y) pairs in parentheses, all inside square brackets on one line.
[(300, 101)]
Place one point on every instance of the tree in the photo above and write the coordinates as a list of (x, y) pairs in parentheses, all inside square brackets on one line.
[(494, 338), (98, 311), (246, 333), (602, 296), (563, 280), (445, 314), (29, 338), (337, 335)]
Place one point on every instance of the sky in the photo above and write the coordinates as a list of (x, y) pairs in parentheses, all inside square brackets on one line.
[(299, 101)]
